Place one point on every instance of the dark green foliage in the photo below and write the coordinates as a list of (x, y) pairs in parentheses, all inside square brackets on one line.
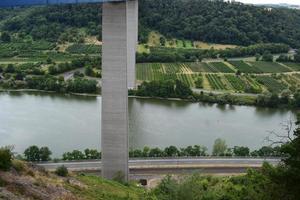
[(5, 158), (10, 69), (35, 154), (297, 57), (163, 54), (5, 37), (267, 151), (78, 155), (79, 85), (164, 89), (32, 153), (241, 151), (62, 171), (45, 154), (284, 58), (221, 22), (211, 21), (199, 82), (267, 56)]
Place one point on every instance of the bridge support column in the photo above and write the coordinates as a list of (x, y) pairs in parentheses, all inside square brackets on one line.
[(114, 138), (132, 38)]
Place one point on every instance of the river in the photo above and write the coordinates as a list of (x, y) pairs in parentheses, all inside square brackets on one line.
[(68, 122)]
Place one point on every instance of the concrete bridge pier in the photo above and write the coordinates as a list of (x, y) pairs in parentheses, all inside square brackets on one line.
[(119, 35)]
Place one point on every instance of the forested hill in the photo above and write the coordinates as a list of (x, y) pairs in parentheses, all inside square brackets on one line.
[(203, 20)]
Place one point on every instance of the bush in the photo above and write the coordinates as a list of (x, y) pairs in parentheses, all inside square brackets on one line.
[(18, 165), (5, 158), (62, 171)]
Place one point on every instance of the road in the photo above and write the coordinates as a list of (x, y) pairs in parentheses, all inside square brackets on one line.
[(173, 165)]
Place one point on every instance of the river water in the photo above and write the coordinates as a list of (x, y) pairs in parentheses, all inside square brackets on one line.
[(67, 122)]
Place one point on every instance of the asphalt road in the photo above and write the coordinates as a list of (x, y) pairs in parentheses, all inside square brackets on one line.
[(173, 165)]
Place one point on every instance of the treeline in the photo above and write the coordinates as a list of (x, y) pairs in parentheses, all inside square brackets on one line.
[(177, 89), (209, 21), (220, 148), (87, 62), (163, 54), (164, 89)]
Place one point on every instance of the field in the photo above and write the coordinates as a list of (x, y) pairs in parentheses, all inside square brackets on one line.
[(219, 76), (84, 49), (201, 67), (272, 84), (236, 82), (294, 66), (270, 67), (221, 67), (216, 82), (244, 67)]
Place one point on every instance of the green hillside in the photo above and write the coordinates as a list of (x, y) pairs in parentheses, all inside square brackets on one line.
[(207, 21)]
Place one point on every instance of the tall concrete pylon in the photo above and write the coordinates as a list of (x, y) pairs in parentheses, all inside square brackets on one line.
[(119, 36)]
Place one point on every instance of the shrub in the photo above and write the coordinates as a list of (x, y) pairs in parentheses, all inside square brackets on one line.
[(5, 158), (61, 171), (18, 165)]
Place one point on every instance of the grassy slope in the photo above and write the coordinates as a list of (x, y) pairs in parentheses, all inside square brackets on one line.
[(27, 182)]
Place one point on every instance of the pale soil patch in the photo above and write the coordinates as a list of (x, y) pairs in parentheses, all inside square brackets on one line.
[(206, 84), (204, 45), (230, 66), (185, 69), (92, 40)]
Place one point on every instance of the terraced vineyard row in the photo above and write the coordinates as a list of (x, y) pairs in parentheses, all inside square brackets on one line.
[(271, 84), (270, 67), (215, 82), (244, 67), (294, 66), (221, 67), (236, 82)]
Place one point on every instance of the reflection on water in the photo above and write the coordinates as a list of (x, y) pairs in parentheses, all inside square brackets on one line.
[(67, 122)]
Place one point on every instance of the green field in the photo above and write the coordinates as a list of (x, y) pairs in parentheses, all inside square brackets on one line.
[(84, 49), (221, 67), (244, 67), (201, 67), (219, 76), (294, 66), (269, 67), (272, 84), (236, 82), (216, 82)]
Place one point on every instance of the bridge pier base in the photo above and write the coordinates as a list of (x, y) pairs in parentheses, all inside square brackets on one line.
[(119, 36)]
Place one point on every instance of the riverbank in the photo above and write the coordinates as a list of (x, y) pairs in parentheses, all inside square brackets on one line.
[(200, 96)]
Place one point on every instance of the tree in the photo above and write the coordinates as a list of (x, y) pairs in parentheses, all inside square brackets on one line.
[(88, 71), (5, 37), (10, 69), (32, 153), (219, 147), (162, 41), (267, 56), (182, 90), (171, 151), (297, 57), (45, 154), (241, 151), (199, 82), (5, 159)]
